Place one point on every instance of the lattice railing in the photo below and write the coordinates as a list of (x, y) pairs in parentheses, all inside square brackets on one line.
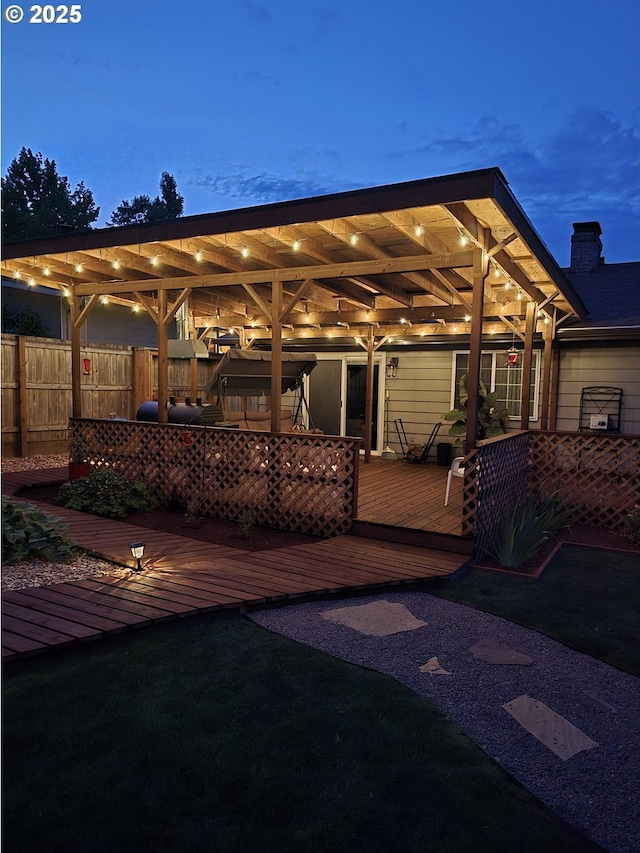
[(598, 475), (495, 479), (293, 481)]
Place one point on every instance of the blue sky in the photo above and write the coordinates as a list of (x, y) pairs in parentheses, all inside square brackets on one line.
[(252, 102)]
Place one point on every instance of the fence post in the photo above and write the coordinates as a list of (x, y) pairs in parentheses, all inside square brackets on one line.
[(23, 408)]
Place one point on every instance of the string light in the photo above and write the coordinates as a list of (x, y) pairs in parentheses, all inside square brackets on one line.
[(418, 230), (198, 256), (116, 265), (104, 300), (16, 274), (353, 239), (135, 308), (78, 267), (463, 240), (66, 292), (467, 318), (46, 271), (296, 245), (154, 261), (245, 252), (31, 281)]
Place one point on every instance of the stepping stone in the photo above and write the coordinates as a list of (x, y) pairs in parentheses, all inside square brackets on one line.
[(556, 733), (495, 651), (377, 619), (433, 667)]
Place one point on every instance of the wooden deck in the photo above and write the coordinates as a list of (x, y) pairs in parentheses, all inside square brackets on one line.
[(407, 495), (182, 576)]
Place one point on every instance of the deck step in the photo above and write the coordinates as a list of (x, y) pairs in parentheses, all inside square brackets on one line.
[(408, 536)]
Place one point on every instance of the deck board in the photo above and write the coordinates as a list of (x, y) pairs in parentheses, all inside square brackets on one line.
[(182, 576)]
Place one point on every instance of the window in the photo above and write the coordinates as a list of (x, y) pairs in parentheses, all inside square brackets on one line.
[(497, 376)]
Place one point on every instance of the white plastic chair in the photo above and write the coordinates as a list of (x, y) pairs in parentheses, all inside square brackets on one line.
[(456, 470)]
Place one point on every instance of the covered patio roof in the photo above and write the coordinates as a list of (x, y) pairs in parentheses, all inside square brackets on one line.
[(390, 256), (442, 256)]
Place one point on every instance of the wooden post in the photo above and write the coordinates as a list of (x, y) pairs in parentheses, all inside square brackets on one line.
[(527, 360), (76, 362), (555, 380), (480, 268), (276, 356), (23, 411), (163, 358), (193, 379), (368, 406), (549, 331), (142, 370)]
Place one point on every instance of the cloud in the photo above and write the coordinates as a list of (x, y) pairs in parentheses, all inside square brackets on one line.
[(256, 12), (262, 188)]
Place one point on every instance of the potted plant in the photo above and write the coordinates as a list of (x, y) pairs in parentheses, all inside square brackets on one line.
[(492, 419), (79, 466)]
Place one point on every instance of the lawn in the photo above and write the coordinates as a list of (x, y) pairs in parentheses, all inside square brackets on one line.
[(587, 599), (211, 734)]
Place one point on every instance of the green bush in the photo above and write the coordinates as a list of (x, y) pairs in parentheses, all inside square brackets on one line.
[(28, 533), (525, 527), (106, 493)]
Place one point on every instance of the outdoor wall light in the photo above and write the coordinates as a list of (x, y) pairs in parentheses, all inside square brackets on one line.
[(137, 550), (392, 368)]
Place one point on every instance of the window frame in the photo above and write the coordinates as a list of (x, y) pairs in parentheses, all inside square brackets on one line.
[(534, 415)]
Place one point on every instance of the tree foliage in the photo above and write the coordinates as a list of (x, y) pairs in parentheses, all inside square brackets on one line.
[(37, 201), (24, 321), (168, 205)]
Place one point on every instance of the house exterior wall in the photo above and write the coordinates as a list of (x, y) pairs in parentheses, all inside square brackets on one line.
[(582, 366)]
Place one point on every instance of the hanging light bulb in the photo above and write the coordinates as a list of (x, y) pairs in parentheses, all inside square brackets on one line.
[(245, 252), (353, 239), (46, 271), (296, 245), (78, 267), (198, 256), (419, 230), (116, 265), (104, 300)]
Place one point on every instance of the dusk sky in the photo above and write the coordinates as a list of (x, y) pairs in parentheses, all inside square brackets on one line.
[(252, 102)]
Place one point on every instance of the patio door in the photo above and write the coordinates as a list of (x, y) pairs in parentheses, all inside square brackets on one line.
[(337, 397)]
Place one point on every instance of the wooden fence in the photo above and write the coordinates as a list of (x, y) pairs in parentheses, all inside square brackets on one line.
[(36, 388), (289, 481), (597, 475)]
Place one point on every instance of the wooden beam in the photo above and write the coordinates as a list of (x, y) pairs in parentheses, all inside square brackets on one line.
[(323, 271)]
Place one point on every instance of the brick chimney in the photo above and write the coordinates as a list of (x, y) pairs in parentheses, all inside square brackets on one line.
[(586, 247)]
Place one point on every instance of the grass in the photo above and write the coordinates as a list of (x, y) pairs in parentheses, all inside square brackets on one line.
[(210, 733), (587, 599)]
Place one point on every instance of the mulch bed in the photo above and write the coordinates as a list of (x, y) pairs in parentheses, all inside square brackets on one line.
[(216, 531), (588, 536)]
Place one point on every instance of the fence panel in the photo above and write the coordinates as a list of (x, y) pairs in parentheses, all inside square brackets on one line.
[(292, 481)]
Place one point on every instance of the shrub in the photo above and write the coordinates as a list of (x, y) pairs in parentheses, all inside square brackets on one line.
[(28, 533), (633, 523), (106, 493), (525, 527)]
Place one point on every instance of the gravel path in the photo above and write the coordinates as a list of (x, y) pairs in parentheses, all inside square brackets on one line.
[(597, 790)]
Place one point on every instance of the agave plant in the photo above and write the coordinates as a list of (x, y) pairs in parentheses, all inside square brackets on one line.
[(525, 527), (493, 419)]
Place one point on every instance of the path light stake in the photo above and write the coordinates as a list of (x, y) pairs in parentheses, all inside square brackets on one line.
[(137, 550)]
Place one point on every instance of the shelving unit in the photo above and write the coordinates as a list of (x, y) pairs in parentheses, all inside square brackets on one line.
[(600, 408)]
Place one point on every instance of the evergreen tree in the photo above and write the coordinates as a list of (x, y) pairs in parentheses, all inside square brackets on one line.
[(168, 205), (36, 200)]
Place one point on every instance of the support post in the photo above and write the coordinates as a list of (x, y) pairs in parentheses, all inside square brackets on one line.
[(276, 356), (527, 360), (23, 412), (480, 268), (163, 358), (76, 362), (368, 410), (549, 333)]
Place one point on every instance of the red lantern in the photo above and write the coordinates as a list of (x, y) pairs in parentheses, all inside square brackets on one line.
[(512, 357), (186, 439)]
